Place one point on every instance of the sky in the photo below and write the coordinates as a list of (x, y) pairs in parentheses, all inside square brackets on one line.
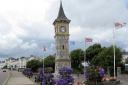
[(27, 25)]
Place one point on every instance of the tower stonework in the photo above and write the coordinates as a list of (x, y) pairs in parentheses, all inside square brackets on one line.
[(61, 26)]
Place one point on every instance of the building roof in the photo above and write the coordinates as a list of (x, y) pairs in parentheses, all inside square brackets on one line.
[(125, 53), (61, 15)]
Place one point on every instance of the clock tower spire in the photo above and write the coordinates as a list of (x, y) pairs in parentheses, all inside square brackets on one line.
[(61, 26), (61, 15)]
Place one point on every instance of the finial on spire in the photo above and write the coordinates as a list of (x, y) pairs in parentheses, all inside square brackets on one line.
[(61, 1)]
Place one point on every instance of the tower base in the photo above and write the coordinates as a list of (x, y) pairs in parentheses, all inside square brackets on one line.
[(60, 63)]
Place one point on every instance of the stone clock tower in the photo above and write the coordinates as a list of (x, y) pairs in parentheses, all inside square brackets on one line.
[(61, 25)]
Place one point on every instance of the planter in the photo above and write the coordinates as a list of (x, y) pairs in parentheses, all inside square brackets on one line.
[(103, 83), (111, 83)]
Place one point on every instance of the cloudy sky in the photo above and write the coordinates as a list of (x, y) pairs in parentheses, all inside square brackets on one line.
[(26, 25)]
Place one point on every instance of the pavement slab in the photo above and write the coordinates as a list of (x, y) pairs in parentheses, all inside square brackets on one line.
[(123, 79), (18, 78)]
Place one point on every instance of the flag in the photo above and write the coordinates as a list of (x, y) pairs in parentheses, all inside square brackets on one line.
[(119, 24), (44, 48), (87, 39), (72, 42), (126, 2)]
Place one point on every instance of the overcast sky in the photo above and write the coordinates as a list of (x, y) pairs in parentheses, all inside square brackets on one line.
[(26, 25)]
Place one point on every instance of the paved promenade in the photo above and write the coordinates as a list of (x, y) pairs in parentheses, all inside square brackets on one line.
[(78, 78), (123, 79), (18, 79), (3, 77)]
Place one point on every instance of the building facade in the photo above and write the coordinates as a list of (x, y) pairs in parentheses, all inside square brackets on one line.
[(19, 63), (124, 56), (61, 26), (16, 64)]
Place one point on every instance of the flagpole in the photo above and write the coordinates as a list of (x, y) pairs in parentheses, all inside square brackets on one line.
[(84, 59), (114, 51), (44, 49), (43, 64), (119, 25)]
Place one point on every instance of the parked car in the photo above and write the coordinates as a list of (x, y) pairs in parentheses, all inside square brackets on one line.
[(4, 70)]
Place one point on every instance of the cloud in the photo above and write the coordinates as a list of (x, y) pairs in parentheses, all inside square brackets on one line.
[(126, 2), (26, 25), (28, 45), (96, 18), (21, 20)]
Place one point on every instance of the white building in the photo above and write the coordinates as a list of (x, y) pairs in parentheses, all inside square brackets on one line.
[(124, 56), (19, 63), (2, 64), (11, 62)]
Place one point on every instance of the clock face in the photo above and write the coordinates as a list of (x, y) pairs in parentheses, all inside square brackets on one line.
[(62, 29)]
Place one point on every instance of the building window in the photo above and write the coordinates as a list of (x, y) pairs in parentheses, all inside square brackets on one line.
[(63, 47)]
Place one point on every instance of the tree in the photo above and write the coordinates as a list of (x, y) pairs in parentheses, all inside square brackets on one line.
[(92, 51), (126, 61), (33, 64), (105, 57), (49, 63), (5, 67), (77, 56)]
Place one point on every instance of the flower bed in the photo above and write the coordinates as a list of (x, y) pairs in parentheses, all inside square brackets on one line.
[(96, 76), (105, 83), (65, 77), (28, 72)]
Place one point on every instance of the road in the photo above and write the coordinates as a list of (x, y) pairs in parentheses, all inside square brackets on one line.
[(3, 76)]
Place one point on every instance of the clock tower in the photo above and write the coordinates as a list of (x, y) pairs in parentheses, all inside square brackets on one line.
[(61, 26)]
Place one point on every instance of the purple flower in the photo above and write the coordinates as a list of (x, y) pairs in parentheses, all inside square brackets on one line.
[(46, 78), (43, 83), (69, 79), (101, 72), (61, 82), (86, 75), (28, 72), (65, 76), (94, 73), (65, 70)]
